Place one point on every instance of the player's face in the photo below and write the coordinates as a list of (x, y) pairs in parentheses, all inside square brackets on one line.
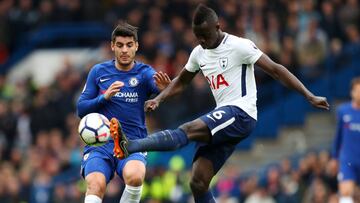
[(207, 34), (125, 49), (355, 93)]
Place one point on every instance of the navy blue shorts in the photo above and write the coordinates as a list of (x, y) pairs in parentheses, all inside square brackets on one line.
[(349, 170), (100, 159), (228, 125)]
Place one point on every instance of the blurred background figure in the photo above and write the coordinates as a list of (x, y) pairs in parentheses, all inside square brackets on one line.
[(345, 150)]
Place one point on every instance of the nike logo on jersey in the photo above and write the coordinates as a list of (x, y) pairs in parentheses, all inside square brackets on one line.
[(202, 65), (104, 79)]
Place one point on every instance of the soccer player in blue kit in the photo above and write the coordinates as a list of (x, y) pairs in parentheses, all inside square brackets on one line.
[(118, 88), (346, 148), (227, 62)]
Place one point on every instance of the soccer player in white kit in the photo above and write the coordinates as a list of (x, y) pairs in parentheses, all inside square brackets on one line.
[(227, 62)]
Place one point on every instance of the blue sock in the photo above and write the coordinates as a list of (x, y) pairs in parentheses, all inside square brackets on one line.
[(166, 140), (205, 198)]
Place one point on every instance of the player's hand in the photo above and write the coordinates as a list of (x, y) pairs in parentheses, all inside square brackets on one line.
[(151, 105), (113, 89), (319, 102), (162, 80)]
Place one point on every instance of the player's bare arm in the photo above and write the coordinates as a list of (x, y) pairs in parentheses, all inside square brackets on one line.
[(282, 74), (175, 87), (113, 89), (162, 80)]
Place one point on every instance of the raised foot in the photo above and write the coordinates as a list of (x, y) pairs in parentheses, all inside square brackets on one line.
[(119, 138)]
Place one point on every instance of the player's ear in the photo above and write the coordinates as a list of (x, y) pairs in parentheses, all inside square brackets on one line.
[(112, 46), (217, 26), (137, 45)]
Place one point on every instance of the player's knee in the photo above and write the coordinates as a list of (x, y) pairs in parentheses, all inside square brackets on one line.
[(347, 188), (191, 127), (135, 181), (95, 186), (346, 193), (133, 178), (134, 173), (186, 127), (198, 186)]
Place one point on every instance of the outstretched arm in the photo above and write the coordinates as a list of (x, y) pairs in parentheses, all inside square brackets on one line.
[(280, 73), (176, 86)]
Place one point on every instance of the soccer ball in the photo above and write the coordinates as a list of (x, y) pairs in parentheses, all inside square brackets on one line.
[(94, 129)]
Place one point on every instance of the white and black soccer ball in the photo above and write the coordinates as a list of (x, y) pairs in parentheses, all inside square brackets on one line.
[(94, 129)]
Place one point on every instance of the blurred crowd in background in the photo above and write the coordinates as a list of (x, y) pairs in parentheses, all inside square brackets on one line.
[(296, 33), (40, 151)]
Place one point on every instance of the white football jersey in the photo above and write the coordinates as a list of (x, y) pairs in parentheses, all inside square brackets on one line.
[(229, 69)]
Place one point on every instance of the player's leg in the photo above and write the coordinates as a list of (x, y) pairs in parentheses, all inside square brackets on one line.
[(208, 160), (347, 176), (230, 121), (96, 186), (201, 176), (132, 170), (227, 127), (97, 171), (232, 118), (346, 189), (165, 140)]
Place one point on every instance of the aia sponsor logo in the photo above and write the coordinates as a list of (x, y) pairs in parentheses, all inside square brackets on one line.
[(217, 81)]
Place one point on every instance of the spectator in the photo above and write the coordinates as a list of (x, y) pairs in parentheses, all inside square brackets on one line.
[(311, 50)]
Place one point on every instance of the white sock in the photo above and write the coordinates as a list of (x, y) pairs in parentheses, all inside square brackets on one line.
[(92, 199), (131, 194), (346, 200)]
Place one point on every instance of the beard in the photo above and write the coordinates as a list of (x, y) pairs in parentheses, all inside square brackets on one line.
[(124, 62)]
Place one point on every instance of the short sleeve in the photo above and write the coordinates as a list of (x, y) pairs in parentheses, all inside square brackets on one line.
[(149, 76), (192, 64), (248, 51)]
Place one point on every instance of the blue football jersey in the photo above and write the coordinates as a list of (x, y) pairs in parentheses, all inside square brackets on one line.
[(347, 139), (127, 105)]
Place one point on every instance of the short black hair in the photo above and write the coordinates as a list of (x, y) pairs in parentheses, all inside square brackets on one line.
[(124, 29), (354, 81), (203, 14)]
